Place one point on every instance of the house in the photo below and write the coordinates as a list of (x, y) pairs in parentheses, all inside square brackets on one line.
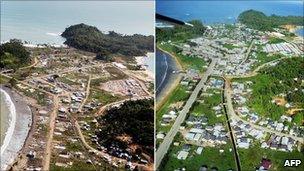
[(199, 150), (265, 164), (182, 155), (203, 168)]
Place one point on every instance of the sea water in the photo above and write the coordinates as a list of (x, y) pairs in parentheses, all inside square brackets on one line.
[(211, 12), (44, 21), (8, 119)]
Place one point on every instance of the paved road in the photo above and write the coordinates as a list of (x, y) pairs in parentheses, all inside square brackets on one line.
[(233, 115), (231, 132), (247, 54), (164, 146), (255, 72)]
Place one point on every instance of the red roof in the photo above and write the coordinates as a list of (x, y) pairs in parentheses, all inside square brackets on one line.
[(266, 163)]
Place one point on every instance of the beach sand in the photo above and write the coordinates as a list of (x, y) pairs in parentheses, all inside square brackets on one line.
[(22, 127), (172, 83)]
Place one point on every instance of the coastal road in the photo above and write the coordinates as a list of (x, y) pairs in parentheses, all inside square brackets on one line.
[(234, 116), (164, 146)]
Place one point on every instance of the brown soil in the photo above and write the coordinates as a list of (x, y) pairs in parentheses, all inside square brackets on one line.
[(280, 101), (293, 111)]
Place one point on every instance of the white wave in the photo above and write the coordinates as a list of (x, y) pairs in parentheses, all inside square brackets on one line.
[(53, 34), (12, 120), (165, 75)]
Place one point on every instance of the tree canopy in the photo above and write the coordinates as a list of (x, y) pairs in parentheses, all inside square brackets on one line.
[(89, 38), (13, 54), (259, 21), (133, 118), (180, 32)]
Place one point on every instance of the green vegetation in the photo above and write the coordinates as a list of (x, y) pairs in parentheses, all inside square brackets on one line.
[(132, 118), (251, 158), (259, 21), (103, 97), (229, 46), (264, 57), (273, 81), (187, 62), (205, 107), (275, 40), (89, 38), (105, 56), (180, 33), (179, 94), (210, 157), (81, 166), (3, 80), (13, 55)]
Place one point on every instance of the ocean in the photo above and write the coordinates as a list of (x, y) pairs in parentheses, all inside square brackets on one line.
[(212, 12), (44, 21), (300, 32), (165, 65), (8, 118)]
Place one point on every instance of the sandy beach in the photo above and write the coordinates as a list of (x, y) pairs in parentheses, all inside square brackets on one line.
[(141, 60), (22, 126), (172, 82)]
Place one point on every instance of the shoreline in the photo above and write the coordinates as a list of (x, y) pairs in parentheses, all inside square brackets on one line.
[(11, 120), (39, 45), (172, 83), (21, 130)]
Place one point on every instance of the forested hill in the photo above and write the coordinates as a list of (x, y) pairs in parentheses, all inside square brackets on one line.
[(259, 21), (89, 38)]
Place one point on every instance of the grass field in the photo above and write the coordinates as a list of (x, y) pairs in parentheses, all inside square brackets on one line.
[(210, 157), (250, 158), (179, 94), (229, 46), (187, 62)]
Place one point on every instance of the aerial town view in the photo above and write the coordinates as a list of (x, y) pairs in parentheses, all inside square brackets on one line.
[(234, 97), (80, 98)]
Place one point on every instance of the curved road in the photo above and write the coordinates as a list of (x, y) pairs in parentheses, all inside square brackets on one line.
[(233, 115)]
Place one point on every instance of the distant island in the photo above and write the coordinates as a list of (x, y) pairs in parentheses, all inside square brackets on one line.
[(89, 38), (259, 21)]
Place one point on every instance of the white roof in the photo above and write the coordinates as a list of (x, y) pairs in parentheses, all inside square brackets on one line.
[(196, 130), (182, 155), (199, 150), (190, 136)]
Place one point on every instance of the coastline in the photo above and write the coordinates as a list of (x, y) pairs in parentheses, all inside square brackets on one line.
[(141, 60), (172, 83), (21, 129)]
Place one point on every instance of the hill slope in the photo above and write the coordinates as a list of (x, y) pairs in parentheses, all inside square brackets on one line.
[(89, 38), (259, 21)]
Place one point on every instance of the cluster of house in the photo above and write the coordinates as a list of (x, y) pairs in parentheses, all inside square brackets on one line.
[(184, 152), (169, 117), (243, 133), (126, 87), (280, 143), (215, 83), (200, 133), (284, 48), (240, 90)]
